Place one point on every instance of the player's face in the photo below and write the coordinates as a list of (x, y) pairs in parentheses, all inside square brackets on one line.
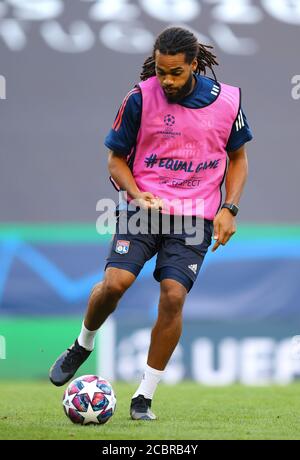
[(175, 75)]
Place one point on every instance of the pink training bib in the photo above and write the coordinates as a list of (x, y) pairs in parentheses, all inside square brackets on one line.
[(180, 152)]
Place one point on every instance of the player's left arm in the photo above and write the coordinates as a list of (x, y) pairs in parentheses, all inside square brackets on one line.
[(224, 221)]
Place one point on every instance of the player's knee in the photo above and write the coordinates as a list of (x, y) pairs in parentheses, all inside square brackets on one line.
[(172, 301), (114, 287)]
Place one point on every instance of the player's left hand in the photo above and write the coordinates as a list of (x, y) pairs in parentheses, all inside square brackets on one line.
[(224, 228)]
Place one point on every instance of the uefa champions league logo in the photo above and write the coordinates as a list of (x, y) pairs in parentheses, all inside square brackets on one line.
[(169, 130), (295, 347), (169, 120)]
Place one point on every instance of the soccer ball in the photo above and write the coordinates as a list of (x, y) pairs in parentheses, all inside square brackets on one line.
[(89, 399)]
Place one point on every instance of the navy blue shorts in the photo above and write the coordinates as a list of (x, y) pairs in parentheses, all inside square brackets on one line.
[(175, 258)]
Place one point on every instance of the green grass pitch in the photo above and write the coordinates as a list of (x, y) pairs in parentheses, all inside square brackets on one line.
[(33, 410)]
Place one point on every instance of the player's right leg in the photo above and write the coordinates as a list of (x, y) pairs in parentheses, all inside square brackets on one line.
[(102, 302), (128, 253)]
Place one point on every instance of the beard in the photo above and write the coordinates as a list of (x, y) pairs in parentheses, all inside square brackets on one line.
[(181, 92)]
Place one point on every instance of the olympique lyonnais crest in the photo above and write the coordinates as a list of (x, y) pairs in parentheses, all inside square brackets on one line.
[(122, 246)]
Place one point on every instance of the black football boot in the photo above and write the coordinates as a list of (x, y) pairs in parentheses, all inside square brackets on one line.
[(140, 409), (67, 364)]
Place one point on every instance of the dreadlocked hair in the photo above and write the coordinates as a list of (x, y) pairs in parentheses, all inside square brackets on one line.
[(176, 40)]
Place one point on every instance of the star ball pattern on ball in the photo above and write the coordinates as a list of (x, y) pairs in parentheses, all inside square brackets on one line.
[(89, 399)]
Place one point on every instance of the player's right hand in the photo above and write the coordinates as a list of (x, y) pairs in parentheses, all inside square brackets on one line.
[(147, 200)]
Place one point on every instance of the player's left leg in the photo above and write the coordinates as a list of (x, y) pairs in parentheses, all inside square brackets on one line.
[(164, 338), (177, 267), (168, 327)]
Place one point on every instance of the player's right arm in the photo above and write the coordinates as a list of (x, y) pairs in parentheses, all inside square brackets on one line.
[(120, 141), (121, 173)]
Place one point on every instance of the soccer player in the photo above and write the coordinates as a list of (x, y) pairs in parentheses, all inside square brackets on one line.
[(177, 135)]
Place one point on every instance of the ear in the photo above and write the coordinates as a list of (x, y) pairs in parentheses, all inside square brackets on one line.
[(194, 64)]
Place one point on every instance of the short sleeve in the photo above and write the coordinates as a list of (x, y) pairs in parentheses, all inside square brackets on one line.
[(240, 132), (123, 134)]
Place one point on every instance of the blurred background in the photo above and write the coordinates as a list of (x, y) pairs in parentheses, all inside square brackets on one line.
[(65, 67)]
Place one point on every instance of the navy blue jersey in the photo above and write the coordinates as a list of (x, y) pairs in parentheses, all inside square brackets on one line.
[(122, 137)]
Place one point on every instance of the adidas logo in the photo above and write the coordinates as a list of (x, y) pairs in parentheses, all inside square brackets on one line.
[(193, 267)]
